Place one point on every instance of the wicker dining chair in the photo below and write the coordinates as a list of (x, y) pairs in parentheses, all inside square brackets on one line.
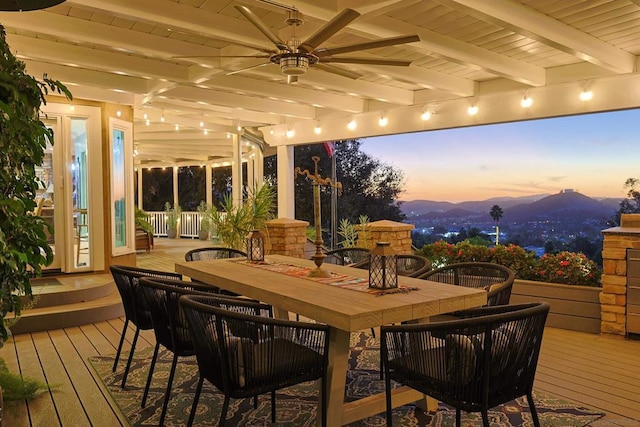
[(487, 358), (347, 256), (170, 327), (409, 265), (214, 252), (496, 279), (244, 355), (135, 310)]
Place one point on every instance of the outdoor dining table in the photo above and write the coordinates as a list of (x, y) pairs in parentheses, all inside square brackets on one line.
[(345, 310)]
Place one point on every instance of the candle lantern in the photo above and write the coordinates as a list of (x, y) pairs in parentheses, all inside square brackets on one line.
[(383, 267), (255, 246)]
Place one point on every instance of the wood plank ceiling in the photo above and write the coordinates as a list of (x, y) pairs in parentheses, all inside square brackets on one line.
[(133, 53)]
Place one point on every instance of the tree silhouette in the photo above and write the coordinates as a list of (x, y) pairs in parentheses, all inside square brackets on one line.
[(629, 205), (496, 213)]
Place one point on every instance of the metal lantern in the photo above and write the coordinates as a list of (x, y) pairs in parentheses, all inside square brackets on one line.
[(383, 267), (255, 246)]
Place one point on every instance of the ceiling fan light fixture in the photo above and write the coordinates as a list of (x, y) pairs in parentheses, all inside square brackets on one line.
[(294, 65)]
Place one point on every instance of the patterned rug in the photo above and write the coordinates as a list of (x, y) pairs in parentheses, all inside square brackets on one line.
[(296, 406)]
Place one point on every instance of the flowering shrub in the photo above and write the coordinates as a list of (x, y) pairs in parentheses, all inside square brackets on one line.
[(566, 267)]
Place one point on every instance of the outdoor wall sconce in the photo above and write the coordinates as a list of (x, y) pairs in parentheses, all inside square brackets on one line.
[(383, 267), (255, 246)]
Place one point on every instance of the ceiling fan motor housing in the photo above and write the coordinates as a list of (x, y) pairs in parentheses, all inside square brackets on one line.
[(294, 64)]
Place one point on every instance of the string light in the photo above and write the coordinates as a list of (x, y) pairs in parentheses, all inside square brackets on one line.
[(201, 124), (291, 133), (384, 120), (352, 125), (162, 117), (145, 116), (472, 110), (526, 101), (118, 113), (317, 129), (177, 127), (586, 95), (206, 132), (426, 115)]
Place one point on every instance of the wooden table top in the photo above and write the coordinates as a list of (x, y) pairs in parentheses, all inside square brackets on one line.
[(344, 309)]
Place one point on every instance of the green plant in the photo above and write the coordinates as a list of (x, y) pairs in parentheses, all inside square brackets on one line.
[(231, 223), (23, 138), (173, 215), (569, 268), (142, 221), (15, 387), (354, 235), (205, 221)]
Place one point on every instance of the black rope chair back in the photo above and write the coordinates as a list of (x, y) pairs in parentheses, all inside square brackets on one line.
[(485, 359), (495, 278), (170, 326), (202, 254), (244, 354), (215, 252), (127, 280), (347, 256)]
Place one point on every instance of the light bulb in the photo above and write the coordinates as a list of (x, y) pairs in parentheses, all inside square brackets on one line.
[(291, 133), (206, 132), (147, 122), (201, 124), (145, 116), (384, 121), (177, 127), (472, 110), (317, 130), (526, 102), (586, 95), (352, 125), (425, 116), (118, 113)]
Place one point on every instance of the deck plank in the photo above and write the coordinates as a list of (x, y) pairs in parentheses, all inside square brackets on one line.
[(69, 407), (16, 413), (75, 349)]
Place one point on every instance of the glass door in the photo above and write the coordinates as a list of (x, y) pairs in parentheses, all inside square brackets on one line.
[(72, 188), (45, 198)]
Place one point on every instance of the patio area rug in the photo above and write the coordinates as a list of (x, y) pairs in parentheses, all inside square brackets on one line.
[(296, 406)]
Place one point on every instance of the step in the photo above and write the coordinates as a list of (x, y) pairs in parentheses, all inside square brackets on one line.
[(71, 301)]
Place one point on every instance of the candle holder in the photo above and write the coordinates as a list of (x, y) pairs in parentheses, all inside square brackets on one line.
[(318, 257), (383, 267), (255, 246)]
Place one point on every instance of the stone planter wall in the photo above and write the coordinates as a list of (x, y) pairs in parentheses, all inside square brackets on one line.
[(614, 278), (286, 237), (397, 234)]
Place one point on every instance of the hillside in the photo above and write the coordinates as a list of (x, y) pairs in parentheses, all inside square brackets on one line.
[(420, 207)]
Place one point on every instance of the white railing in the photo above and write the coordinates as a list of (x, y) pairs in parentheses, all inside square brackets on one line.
[(189, 223)]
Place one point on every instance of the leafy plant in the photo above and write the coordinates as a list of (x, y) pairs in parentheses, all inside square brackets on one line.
[(23, 138), (354, 235), (231, 223), (571, 268), (205, 221), (173, 215), (15, 387), (141, 218)]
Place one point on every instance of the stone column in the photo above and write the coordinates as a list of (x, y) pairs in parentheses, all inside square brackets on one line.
[(397, 234), (286, 236), (613, 298)]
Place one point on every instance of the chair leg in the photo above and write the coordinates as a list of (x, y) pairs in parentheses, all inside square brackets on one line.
[(457, 417), (387, 392), (273, 407), (150, 376), (485, 418), (194, 407), (167, 393), (133, 347), (255, 402), (532, 408), (124, 332), (225, 408)]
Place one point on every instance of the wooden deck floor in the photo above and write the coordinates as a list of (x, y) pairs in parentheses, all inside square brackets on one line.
[(602, 372)]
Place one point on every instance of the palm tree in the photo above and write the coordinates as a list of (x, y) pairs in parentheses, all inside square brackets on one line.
[(496, 213)]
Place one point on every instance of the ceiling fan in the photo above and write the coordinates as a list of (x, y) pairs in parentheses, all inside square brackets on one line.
[(295, 57)]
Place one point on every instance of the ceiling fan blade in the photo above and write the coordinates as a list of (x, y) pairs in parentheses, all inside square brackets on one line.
[(231, 73), (335, 70), (391, 41), (367, 61), (340, 21), (221, 56), (264, 29)]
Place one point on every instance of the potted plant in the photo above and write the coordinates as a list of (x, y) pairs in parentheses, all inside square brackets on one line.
[(173, 217), (205, 222), (233, 222)]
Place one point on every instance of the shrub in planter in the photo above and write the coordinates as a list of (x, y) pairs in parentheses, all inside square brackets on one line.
[(515, 257), (569, 268)]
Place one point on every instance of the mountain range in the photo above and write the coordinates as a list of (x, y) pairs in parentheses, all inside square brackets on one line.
[(539, 207)]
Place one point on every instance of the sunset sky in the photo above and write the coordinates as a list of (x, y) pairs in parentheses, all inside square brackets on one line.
[(593, 154)]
